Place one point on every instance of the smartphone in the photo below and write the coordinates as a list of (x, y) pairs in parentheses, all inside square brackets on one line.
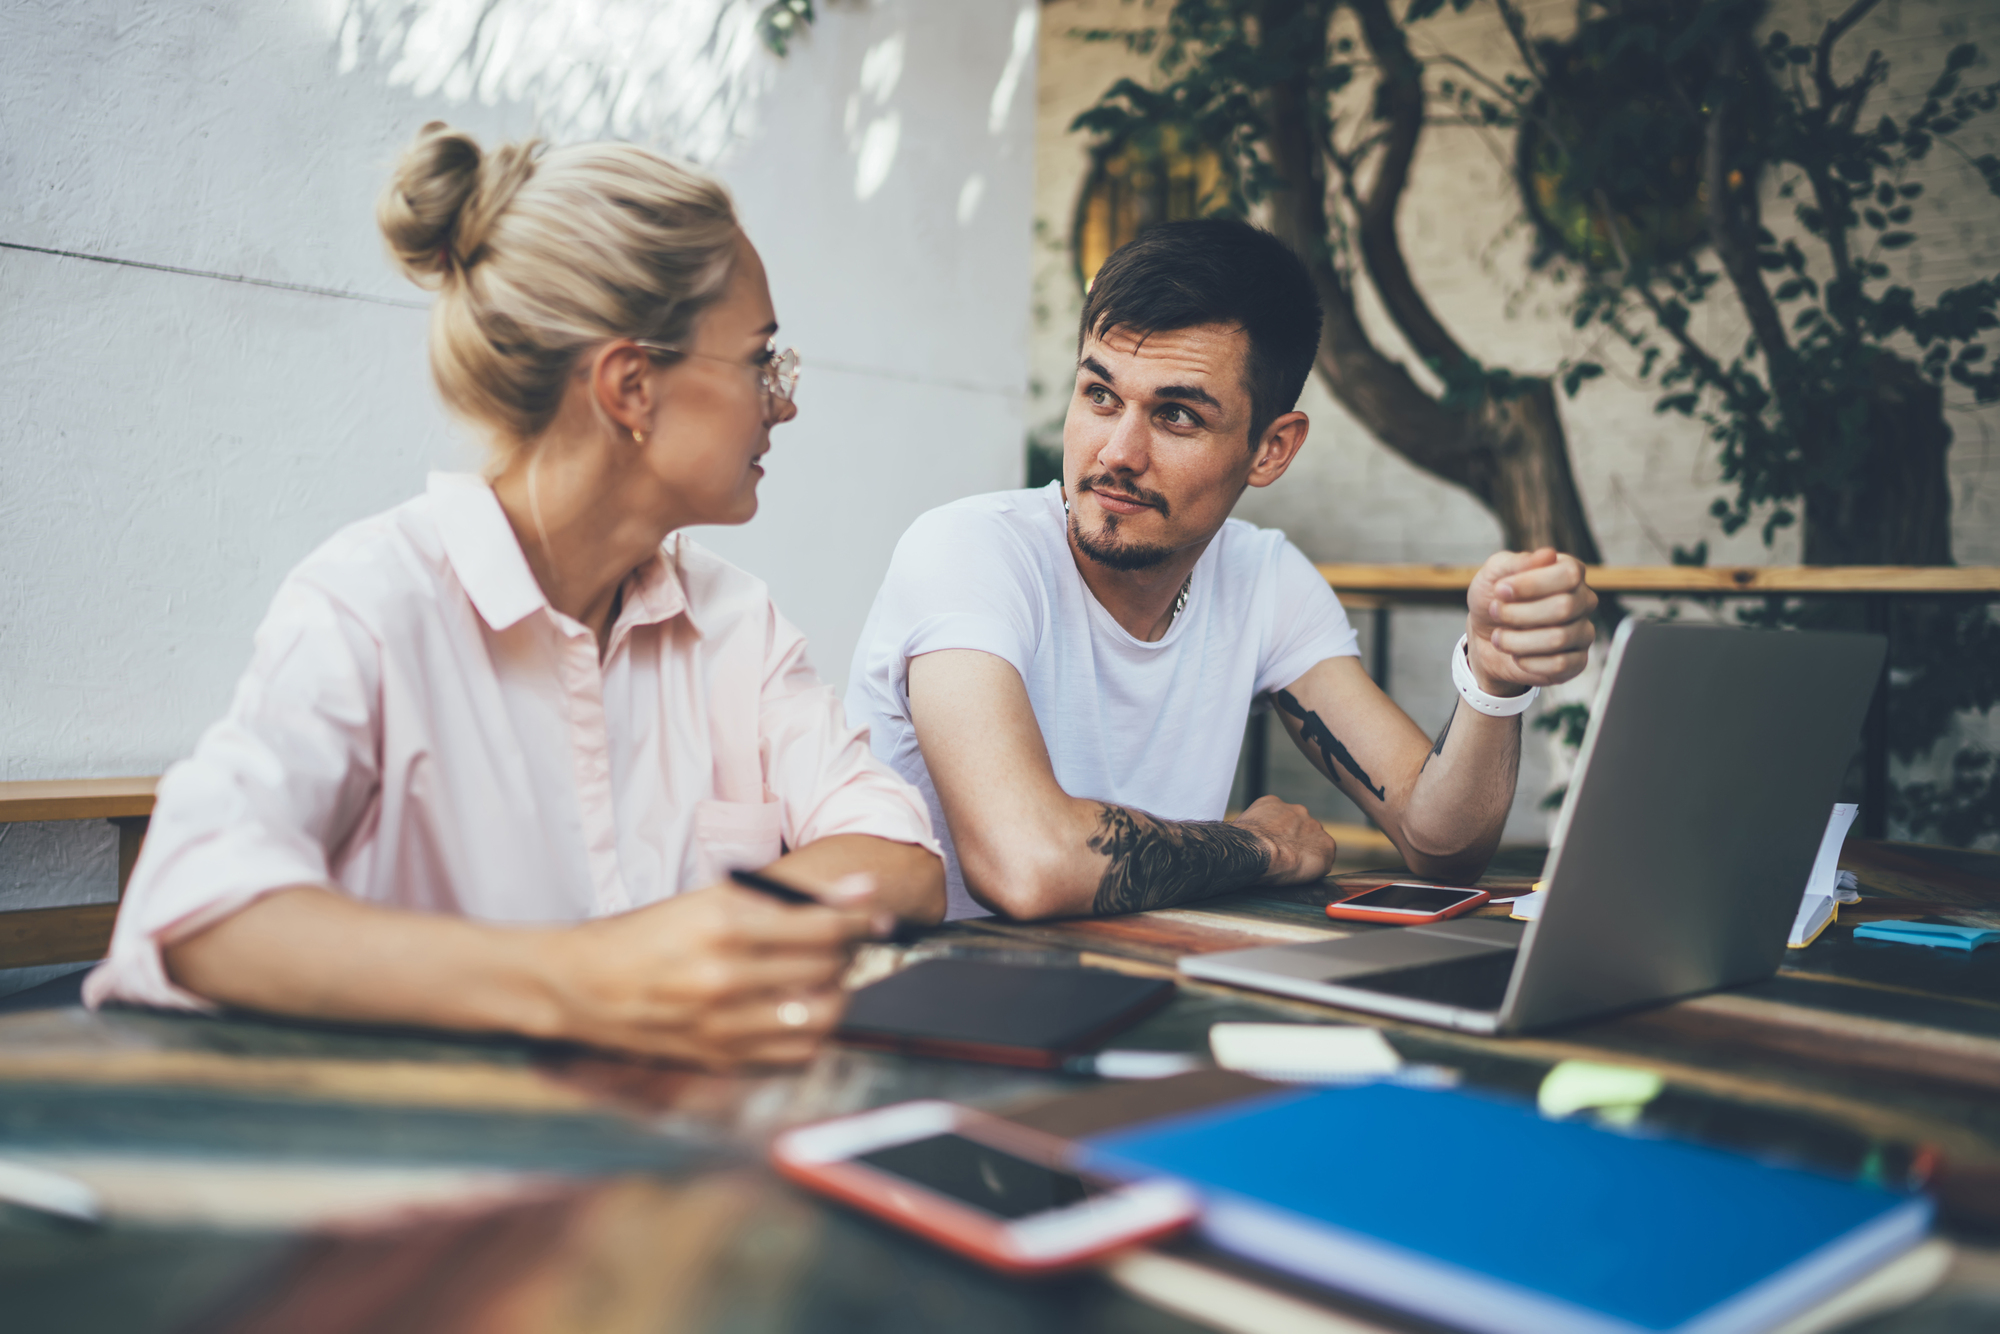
[(1406, 904), (993, 1191)]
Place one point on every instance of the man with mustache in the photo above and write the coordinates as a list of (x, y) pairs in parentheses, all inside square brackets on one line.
[(1065, 672)]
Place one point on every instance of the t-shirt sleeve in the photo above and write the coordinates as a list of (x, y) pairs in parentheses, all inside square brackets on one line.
[(960, 578), (1309, 625)]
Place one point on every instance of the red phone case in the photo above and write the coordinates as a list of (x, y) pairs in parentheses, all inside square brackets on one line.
[(1340, 913), (944, 1221)]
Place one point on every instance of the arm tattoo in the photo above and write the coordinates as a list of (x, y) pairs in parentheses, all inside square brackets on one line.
[(1438, 749), (1158, 862), (1330, 749)]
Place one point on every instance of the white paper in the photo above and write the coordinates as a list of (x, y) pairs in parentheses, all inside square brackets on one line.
[(50, 1192), (1303, 1052), (1529, 906), (1813, 913), (1827, 864), (1120, 1064), (1828, 884)]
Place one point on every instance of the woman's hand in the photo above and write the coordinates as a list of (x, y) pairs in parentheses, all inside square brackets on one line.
[(721, 977)]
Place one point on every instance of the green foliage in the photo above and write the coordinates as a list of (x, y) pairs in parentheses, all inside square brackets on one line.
[(1610, 157), (1045, 456), (1569, 719), (1960, 811), (780, 21), (1215, 70), (1796, 415)]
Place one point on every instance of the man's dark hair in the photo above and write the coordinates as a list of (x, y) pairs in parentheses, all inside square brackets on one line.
[(1216, 271)]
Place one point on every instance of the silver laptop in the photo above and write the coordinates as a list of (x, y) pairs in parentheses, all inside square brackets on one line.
[(1711, 763)]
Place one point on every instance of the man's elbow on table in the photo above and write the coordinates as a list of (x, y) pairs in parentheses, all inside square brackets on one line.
[(1444, 860), (1021, 881)]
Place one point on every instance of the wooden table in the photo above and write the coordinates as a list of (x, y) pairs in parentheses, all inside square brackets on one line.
[(270, 1176)]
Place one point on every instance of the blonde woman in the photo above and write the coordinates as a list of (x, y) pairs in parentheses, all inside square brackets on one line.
[(497, 749)]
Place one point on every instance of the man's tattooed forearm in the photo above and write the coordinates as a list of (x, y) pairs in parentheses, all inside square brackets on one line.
[(1330, 749), (1158, 862), (1438, 749)]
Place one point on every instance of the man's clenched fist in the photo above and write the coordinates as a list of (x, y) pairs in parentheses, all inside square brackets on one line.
[(1529, 620)]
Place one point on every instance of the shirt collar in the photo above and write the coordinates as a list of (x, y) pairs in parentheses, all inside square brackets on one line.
[(485, 555), (654, 591)]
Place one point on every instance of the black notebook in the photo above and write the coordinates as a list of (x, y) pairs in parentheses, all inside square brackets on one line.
[(1003, 1013)]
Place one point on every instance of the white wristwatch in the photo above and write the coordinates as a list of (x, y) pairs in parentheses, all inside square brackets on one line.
[(1493, 706)]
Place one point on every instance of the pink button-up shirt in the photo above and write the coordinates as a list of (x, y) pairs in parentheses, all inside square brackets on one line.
[(419, 727)]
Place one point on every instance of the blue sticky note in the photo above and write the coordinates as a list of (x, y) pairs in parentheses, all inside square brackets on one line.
[(1937, 935)]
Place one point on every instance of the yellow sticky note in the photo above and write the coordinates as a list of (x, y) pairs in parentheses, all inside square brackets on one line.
[(1617, 1093)]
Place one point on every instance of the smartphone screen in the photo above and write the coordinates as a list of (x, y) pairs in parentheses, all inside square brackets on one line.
[(984, 1177), (1410, 898)]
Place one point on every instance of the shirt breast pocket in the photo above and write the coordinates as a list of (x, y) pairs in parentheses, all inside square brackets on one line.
[(736, 835)]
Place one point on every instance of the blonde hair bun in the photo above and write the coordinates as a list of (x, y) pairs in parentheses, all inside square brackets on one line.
[(537, 257)]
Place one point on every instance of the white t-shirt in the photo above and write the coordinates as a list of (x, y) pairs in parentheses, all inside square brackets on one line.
[(1155, 726)]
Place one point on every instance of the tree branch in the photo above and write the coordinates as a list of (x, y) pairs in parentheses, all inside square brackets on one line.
[(1400, 99), (1464, 67), (1517, 28), (1829, 91), (1378, 390), (1838, 107), (1732, 225)]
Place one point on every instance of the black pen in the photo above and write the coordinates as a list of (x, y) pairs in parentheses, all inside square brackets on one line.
[(903, 933), (777, 889)]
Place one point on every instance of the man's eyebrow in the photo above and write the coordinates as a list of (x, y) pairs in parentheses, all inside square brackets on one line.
[(1189, 393)]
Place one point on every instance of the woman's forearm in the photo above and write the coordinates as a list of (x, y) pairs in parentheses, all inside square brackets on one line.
[(310, 951), (909, 881)]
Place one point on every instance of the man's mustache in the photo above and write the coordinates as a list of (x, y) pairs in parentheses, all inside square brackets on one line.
[(1107, 485)]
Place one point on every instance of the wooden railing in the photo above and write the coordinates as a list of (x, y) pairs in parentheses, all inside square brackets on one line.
[(79, 933), (1377, 589)]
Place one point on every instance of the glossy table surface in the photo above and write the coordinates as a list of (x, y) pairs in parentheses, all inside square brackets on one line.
[(261, 1175)]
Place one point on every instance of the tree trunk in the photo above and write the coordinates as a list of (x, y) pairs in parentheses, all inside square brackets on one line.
[(1508, 449), (1510, 452), (1894, 506)]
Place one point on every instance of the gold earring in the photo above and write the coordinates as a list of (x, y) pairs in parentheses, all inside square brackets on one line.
[(637, 437)]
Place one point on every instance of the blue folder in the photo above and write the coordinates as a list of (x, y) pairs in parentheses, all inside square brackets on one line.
[(1481, 1214)]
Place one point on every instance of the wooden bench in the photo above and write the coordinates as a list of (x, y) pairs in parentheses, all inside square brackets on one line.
[(1377, 589), (31, 937)]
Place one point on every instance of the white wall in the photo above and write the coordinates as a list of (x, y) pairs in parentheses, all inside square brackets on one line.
[(171, 444)]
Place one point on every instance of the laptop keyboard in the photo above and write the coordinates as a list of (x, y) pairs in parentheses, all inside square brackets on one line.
[(1475, 983)]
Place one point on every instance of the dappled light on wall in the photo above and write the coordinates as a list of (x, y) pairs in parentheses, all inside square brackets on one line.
[(875, 141), (1009, 83), (682, 75)]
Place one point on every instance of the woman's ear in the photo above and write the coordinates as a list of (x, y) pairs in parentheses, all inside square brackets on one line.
[(1281, 443), (620, 386)]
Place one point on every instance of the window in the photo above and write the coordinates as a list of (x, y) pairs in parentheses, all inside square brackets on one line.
[(1155, 175)]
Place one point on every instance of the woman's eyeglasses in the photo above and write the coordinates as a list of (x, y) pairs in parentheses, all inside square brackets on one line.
[(778, 372)]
